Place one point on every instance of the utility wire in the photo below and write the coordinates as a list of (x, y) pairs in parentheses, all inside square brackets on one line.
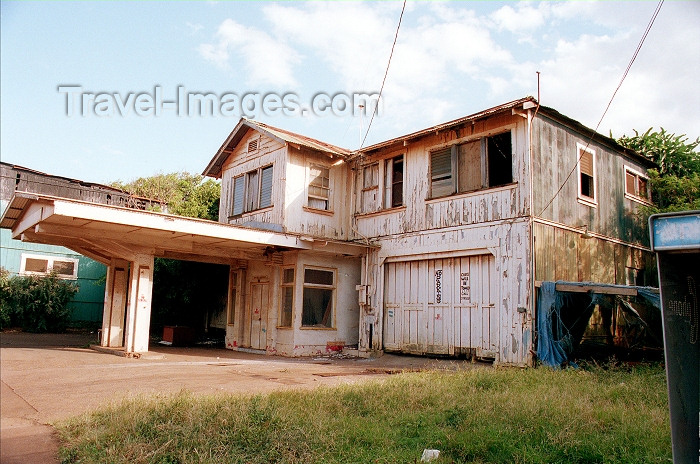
[(376, 107), (624, 75)]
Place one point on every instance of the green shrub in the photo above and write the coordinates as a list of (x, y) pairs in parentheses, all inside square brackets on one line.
[(35, 303)]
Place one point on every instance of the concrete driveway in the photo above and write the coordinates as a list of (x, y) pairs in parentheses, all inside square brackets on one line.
[(48, 377)]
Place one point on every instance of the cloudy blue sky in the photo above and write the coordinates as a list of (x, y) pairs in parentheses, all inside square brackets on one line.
[(451, 59)]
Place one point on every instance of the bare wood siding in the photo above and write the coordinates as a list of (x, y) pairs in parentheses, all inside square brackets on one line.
[(555, 154), (421, 213), (565, 255), (301, 219), (507, 241), (269, 151)]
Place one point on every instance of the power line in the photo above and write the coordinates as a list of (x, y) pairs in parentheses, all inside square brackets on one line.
[(376, 106), (624, 75)]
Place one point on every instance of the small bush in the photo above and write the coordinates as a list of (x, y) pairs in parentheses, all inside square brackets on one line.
[(35, 303)]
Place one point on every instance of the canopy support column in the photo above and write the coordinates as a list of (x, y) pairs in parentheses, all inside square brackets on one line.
[(115, 303), (138, 317)]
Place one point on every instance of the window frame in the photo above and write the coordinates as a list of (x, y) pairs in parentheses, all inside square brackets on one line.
[(582, 198), (252, 197), (635, 196), (367, 206), (388, 202), (50, 262), (284, 286), (485, 173), (309, 185), (332, 288)]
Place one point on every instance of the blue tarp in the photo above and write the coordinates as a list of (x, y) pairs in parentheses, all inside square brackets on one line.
[(555, 341)]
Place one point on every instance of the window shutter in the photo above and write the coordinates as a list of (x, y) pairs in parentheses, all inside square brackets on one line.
[(587, 163), (238, 192), (441, 173), (266, 187), (630, 181)]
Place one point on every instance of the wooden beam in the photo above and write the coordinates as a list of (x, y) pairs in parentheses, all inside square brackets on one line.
[(602, 289)]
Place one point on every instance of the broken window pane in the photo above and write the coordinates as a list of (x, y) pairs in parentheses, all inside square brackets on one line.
[(500, 159)]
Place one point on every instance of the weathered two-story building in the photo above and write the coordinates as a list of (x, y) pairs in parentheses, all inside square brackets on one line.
[(429, 243)]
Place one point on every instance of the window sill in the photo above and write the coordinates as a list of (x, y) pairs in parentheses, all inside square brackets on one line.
[(325, 212), (284, 327), (249, 213), (395, 209), (588, 202), (639, 200), (457, 196), (308, 327)]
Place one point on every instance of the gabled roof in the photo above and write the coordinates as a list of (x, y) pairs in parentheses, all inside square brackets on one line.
[(296, 140), (214, 167)]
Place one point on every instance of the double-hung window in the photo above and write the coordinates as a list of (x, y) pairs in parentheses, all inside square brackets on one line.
[(470, 166), (382, 185), (287, 303), (252, 191), (393, 185), (319, 292), (319, 187), (636, 186)]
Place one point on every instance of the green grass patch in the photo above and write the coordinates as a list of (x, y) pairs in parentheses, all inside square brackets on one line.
[(481, 416)]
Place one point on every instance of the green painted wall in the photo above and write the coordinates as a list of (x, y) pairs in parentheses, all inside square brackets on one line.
[(87, 305)]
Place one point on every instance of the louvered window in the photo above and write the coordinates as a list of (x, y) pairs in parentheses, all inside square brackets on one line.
[(252, 191), (252, 146), (586, 175), (636, 185), (441, 178)]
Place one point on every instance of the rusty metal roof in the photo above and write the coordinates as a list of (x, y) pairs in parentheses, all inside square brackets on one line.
[(284, 136), (448, 124), (214, 167)]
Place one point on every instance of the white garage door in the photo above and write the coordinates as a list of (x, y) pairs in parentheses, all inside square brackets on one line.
[(441, 306)]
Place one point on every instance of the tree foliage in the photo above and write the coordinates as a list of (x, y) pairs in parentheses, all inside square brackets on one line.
[(675, 186), (186, 194)]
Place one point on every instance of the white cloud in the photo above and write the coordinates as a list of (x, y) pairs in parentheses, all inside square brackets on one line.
[(266, 59)]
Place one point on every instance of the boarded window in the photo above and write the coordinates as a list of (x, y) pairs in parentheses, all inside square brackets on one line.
[(252, 191), (66, 268), (393, 196), (319, 289), (287, 303), (636, 185), (470, 166), (319, 187), (586, 175), (370, 188)]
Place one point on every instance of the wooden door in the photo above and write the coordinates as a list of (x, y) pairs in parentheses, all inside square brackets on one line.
[(259, 303)]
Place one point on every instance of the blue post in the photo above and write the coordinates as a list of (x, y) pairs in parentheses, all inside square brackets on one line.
[(675, 237)]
